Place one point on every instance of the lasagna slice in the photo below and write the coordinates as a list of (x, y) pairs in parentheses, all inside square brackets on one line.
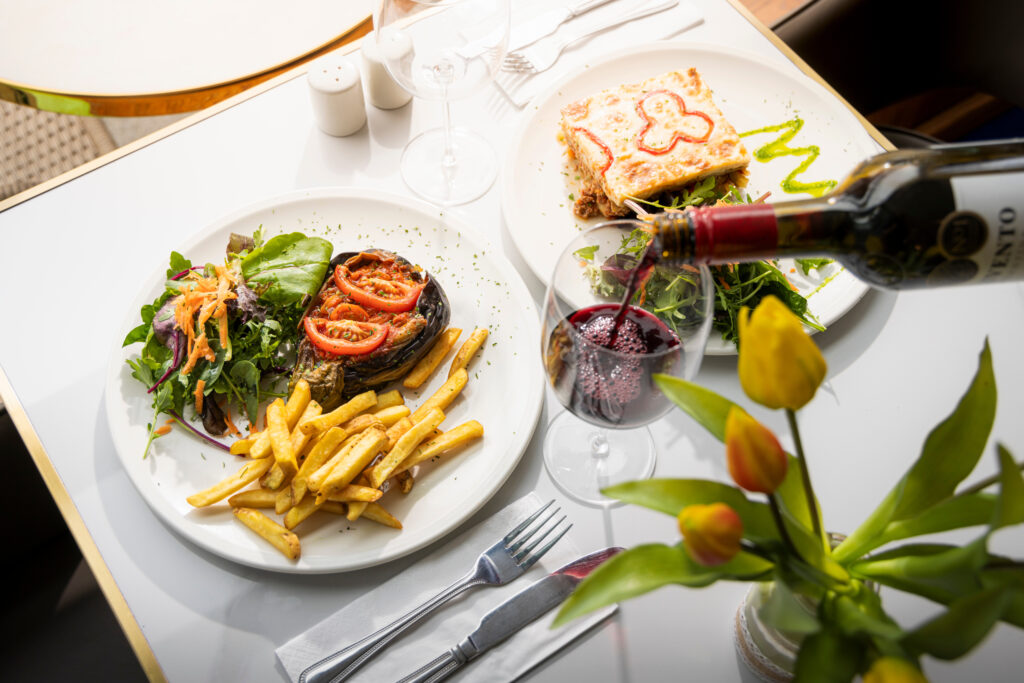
[(638, 141)]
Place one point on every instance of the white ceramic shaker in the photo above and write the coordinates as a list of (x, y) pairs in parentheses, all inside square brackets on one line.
[(336, 94)]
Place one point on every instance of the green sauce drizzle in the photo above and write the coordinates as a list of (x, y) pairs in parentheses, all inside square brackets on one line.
[(779, 147)]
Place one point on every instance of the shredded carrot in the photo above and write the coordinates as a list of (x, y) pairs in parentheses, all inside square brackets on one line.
[(200, 386), (200, 350), (160, 431), (792, 270), (222, 325), (725, 285), (231, 424)]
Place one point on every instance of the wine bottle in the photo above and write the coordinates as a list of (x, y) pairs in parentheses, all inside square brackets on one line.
[(950, 214)]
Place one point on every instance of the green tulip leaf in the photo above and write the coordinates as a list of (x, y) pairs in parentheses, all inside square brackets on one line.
[(782, 610), (703, 405), (950, 453), (642, 569), (1010, 509), (965, 624), (974, 509), (828, 657), (864, 617), (953, 448), (672, 495), (791, 496)]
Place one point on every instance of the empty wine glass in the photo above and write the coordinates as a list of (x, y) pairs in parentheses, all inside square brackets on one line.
[(600, 357), (444, 50)]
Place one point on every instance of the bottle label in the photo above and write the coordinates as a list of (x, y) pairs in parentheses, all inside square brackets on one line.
[(983, 239)]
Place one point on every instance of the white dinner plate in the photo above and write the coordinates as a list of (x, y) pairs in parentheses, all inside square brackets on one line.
[(751, 92), (484, 291)]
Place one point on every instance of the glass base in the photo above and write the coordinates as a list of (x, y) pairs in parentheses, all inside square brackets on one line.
[(582, 459), (469, 173)]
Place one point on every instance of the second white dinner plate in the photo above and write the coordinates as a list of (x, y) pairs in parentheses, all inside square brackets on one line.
[(752, 93), (483, 289)]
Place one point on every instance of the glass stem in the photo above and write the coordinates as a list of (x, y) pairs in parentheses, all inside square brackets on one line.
[(599, 450), (812, 503)]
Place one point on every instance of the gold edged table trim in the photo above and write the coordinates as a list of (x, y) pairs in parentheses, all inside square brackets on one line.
[(174, 102), (67, 507)]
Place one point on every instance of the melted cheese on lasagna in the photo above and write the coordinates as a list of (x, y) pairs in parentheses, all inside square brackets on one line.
[(642, 139)]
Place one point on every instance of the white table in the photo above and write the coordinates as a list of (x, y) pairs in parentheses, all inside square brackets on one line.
[(897, 366)]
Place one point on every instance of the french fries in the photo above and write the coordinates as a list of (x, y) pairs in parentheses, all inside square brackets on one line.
[(449, 441), (342, 413), (468, 350), (443, 397), (343, 462), (252, 471), (426, 366), (404, 446), (278, 536)]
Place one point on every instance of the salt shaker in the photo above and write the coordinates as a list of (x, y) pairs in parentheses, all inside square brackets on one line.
[(336, 93), (381, 89)]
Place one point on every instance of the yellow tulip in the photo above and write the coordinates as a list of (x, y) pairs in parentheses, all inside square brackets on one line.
[(755, 457), (711, 533), (894, 670), (779, 365)]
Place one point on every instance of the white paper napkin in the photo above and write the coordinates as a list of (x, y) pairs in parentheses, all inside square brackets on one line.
[(452, 622), (665, 24)]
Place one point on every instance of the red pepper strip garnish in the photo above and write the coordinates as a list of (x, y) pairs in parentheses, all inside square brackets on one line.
[(676, 135), (360, 337), (406, 300), (608, 156), (348, 312)]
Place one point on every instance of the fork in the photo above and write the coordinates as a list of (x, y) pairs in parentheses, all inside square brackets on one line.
[(542, 55), (502, 562)]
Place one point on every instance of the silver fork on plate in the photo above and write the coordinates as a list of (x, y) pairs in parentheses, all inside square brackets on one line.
[(542, 55), (502, 562)]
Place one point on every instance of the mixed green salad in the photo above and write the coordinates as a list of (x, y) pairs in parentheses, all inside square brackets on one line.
[(224, 334), (670, 294)]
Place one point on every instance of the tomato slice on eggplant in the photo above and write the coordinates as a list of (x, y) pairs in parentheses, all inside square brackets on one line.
[(345, 337), (334, 378)]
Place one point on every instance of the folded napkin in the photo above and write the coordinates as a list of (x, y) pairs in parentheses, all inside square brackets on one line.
[(665, 24), (453, 621)]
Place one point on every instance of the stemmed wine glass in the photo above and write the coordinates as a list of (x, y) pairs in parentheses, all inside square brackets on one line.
[(444, 50), (600, 356)]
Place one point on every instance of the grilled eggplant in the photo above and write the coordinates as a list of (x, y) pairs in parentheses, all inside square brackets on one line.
[(374, 317)]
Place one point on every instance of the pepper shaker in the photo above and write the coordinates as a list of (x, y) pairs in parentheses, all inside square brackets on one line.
[(382, 90), (336, 94)]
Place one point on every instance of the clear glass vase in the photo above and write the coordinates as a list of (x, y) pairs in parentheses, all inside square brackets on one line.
[(769, 653)]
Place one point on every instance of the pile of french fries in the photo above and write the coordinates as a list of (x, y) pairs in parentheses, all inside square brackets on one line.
[(342, 462)]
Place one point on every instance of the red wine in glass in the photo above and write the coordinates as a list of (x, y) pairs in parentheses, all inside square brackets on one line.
[(603, 366)]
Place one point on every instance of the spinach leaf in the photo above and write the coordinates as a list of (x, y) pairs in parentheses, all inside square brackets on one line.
[(287, 268)]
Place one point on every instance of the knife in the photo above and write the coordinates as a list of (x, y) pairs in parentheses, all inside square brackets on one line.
[(533, 30), (511, 616)]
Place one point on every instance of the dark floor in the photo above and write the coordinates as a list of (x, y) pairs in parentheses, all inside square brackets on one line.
[(55, 623)]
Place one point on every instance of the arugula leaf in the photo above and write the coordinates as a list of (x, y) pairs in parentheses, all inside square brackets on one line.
[(809, 264), (178, 264), (287, 268), (586, 253)]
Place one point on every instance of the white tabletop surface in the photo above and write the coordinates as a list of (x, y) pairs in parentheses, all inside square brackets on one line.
[(124, 47), (897, 364)]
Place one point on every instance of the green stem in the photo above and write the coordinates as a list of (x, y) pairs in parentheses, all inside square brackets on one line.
[(812, 503), (755, 549), (984, 483), (783, 531)]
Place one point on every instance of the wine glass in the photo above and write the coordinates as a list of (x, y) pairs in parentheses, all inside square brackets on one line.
[(600, 356), (444, 50)]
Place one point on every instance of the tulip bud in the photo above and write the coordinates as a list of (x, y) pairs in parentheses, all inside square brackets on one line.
[(755, 457), (779, 366), (894, 670), (711, 533)]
